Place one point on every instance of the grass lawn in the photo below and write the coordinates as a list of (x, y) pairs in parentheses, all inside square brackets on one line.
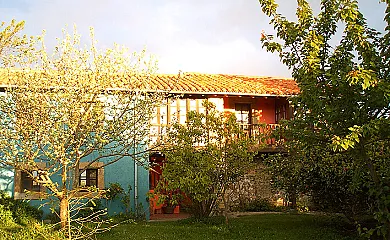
[(265, 226)]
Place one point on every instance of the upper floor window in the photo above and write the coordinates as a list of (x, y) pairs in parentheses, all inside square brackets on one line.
[(243, 113), (280, 112)]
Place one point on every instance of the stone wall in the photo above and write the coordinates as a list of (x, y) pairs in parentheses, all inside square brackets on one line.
[(254, 185)]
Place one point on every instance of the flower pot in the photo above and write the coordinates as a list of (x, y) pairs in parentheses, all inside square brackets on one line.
[(168, 209)]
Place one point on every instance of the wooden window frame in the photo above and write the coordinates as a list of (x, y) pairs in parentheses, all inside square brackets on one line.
[(100, 176), (33, 186), (19, 192), (240, 105), (248, 126), (86, 175)]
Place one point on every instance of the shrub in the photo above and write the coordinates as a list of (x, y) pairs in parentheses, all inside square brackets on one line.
[(22, 212), (6, 219), (263, 205), (90, 208), (19, 221), (123, 218), (130, 216)]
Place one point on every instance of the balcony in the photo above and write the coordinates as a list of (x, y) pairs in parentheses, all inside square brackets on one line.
[(264, 134)]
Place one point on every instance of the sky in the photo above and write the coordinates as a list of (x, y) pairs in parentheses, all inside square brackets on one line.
[(206, 36)]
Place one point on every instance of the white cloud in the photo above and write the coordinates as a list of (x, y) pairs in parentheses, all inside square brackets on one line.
[(235, 57), (219, 36)]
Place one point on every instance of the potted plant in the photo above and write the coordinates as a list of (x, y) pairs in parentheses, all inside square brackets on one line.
[(168, 198)]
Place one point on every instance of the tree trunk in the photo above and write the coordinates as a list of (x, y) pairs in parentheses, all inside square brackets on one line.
[(225, 208), (64, 213), (64, 203), (293, 199)]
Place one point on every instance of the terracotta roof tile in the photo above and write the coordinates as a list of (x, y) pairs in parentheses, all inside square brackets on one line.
[(223, 84), (199, 83)]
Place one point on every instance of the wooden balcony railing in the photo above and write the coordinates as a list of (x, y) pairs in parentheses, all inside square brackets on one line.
[(262, 132)]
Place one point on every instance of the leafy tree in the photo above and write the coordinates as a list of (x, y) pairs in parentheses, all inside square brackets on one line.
[(75, 105), (340, 134), (204, 157), (9, 37)]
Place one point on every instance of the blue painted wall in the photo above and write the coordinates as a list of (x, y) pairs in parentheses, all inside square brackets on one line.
[(7, 179), (121, 172)]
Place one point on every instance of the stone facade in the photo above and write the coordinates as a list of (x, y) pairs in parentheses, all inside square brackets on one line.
[(256, 184)]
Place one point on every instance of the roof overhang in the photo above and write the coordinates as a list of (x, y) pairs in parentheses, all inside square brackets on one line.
[(229, 94)]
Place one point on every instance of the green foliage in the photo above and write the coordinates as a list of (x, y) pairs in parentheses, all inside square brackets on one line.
[(114, 190), (90, 208), (19, 220), (204, 156), (123, 218), (338, 141), (327, 178), (34, 231), (22, 212), (137, 215), (6, 218), (126, 199), (166, 196)]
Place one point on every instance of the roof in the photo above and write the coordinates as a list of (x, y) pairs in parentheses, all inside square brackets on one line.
[(198, 83), (182, 83)]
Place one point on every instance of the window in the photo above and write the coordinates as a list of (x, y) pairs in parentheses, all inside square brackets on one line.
[(280, 112), (89, 178), (25, 187), (164, 113), (244, 116), (200, 107), (28, 183), (182, 111), (92, 176), (242, 111), (173, 112)]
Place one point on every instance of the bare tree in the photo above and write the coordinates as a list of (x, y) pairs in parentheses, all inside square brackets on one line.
[(76, 105)]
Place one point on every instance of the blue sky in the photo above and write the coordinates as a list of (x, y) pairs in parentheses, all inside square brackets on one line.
[(218, 36)]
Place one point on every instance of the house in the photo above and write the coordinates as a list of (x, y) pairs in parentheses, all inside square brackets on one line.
[(255, 100), (77, 120), (258, 102)]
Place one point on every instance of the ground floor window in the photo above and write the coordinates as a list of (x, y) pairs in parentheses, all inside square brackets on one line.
[(24, 185), (89, 178), (28, 183), (91, 175)]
